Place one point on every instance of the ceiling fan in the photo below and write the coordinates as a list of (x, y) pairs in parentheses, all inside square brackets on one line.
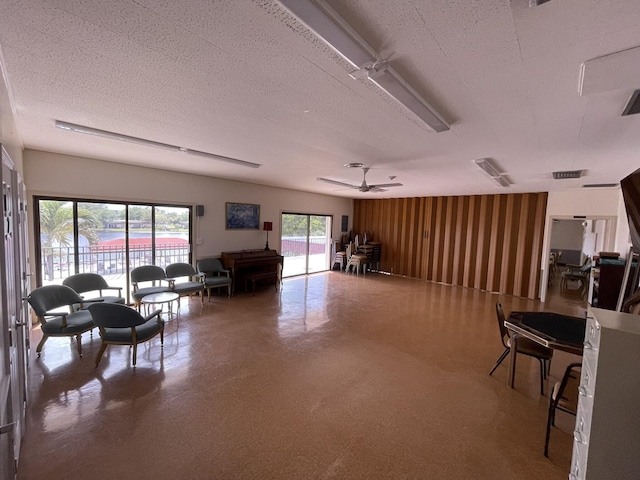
[(363, 187)]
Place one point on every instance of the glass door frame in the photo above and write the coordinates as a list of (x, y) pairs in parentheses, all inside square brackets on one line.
[(326, 247)]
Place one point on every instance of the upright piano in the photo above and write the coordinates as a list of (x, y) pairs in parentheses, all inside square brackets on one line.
[(245, 263)]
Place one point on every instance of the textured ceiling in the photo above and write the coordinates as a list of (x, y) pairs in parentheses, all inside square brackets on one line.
[(245, 79)]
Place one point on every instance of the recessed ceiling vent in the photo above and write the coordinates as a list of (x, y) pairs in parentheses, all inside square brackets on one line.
[(633, 106), (599, 185), (568, 174)]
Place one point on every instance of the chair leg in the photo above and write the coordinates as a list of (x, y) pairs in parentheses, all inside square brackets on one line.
[(135, 353), (79, 342), (499, 361), (548, 434), (103, 347), (41, 344), (542, 376)]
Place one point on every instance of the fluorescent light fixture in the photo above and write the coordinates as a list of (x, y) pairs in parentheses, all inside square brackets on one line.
[(503, 182), (327, 24), (72, 127), (221, 158), (333, 29), (487, 165), (391, 82)]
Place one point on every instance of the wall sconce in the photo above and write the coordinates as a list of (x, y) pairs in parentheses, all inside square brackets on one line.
[(267, 227)]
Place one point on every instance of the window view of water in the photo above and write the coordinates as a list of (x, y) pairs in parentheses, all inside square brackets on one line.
[(102, 246)]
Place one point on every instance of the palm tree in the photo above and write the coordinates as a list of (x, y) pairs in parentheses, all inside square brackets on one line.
[(56, 228)]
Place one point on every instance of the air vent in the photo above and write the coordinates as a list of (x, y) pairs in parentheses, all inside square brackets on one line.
[(568, 174), (633, 106), (599, 185)]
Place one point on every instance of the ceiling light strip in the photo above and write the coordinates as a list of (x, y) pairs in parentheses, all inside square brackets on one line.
[(221, 158), (490, 169), (72, 127), (391, 82), (327, 24)]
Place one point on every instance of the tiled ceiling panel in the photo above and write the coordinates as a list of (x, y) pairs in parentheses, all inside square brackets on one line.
[(246, 79)]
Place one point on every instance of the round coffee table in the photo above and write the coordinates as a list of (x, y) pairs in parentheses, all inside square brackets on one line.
[(161, 299)]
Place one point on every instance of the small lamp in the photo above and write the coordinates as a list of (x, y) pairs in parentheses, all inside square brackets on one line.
[(267, 227)]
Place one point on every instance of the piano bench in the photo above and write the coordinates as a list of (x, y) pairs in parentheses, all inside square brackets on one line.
[(271, 276)]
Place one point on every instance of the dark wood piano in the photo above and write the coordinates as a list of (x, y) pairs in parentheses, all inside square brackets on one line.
[(245, 264)]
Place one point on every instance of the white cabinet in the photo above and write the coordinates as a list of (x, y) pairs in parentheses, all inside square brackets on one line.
[(607, 433)]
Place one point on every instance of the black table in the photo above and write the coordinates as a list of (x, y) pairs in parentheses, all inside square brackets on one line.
[(552, 330)]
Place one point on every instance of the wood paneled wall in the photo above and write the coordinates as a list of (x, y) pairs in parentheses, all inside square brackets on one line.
[(487, 242)]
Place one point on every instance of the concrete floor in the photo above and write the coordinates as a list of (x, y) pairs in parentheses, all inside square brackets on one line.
[(336, 376)]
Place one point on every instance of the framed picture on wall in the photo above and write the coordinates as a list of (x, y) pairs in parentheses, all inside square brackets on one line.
[(242, 216)]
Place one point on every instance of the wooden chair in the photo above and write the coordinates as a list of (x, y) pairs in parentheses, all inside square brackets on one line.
[(564, 396), (525, 346)]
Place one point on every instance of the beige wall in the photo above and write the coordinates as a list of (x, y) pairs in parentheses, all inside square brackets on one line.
[(68, 176)]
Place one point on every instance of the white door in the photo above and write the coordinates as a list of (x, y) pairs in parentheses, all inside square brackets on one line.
[(23, 287), (12, 339)]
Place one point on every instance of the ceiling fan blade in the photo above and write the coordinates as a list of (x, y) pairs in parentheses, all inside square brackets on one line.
[(334, 182), (385, 185)]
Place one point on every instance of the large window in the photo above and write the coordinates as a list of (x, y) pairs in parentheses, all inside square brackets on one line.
[(306, 242), (108, 238)]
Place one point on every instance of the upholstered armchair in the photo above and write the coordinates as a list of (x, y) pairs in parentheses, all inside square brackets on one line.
[(185, 280), (148, 279), (215, 276), (48, 303), (121, 325), (92, 282)]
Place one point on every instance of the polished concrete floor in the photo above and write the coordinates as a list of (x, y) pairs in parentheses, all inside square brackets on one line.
[(334, 377)]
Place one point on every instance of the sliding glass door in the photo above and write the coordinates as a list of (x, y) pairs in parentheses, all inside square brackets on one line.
[(306, 243), (107, 238)]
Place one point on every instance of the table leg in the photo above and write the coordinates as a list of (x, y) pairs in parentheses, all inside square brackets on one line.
[(512, 358)]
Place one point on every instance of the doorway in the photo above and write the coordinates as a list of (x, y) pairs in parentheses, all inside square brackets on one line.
[(594, 234), (305, 242)]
